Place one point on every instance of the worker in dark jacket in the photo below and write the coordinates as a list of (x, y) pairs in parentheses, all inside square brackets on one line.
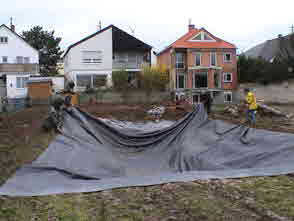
[(207, 101)]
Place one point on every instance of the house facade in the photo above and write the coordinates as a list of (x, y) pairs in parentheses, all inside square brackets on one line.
[(18, 60), (91, 61), (202, 63)]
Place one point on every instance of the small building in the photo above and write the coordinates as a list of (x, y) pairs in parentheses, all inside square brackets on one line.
[(40, 90), (199, 63)]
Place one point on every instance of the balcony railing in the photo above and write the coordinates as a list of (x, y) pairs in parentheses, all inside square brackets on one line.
[(33, 68), (127, 65)]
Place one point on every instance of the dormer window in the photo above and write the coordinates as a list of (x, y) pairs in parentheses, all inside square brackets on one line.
[(3, 40), (202, 36)]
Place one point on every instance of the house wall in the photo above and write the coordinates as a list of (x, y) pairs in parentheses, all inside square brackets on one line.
[(225, 67), (74, 66), (101, 42), (166, 59), (16, 46), (12, 90)]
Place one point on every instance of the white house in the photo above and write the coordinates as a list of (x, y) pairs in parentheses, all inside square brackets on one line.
[(18, 60), (91, 61)]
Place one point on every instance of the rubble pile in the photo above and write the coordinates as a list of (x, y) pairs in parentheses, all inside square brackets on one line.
[(234, 109), (156, 112)]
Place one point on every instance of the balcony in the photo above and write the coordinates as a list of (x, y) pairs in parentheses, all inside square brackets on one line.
[(127, 65), (31, 68)]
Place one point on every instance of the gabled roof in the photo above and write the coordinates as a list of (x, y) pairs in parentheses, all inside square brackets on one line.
[(120, 35), (186, 41), (269, 49), (17, 35)]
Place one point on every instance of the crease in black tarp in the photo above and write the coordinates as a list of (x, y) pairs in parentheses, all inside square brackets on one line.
[(91, 155)]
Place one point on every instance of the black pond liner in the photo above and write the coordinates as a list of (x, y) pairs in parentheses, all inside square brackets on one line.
[(93, 155)]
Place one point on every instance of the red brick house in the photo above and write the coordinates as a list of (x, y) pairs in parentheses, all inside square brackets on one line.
[(200, 63)]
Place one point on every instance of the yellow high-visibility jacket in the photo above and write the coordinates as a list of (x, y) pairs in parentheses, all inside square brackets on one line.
[(251, 100)]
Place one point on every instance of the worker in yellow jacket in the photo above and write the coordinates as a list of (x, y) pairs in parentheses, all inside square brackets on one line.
[(251, 105)]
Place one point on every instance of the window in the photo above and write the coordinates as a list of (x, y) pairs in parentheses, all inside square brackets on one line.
[(19, 60), (198, 37), (207, 37), (21, 82), (121, 57), (213, 58), (217, 79), (92, 81), (180, 60), (84, 80), (196, 99), (3, 40), (228, 77), (200, 80), (227, 57), (202, 36), (198, 59), (92, 57), (4, 59), (26, 60), (228, 97), (132, 58), (181, 80), (99, 80)]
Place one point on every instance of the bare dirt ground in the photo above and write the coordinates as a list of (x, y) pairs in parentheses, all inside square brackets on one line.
[(257, 198)]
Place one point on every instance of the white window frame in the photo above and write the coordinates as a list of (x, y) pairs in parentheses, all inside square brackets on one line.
[(26, 60), (3, 40), (225, 79), (198, 98), (200, 54), (91, 80), (182, 62), (215, 59), (92, 60), (177, 80), (202, 33), (224, 57), (19, 59), (23, 82), (4, 62), (225, 96)]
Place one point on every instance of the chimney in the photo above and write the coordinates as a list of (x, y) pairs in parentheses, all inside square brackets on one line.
[(12, 26), (190, 26)]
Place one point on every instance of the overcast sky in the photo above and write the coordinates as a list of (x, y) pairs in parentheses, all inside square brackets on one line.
[(157, 22)]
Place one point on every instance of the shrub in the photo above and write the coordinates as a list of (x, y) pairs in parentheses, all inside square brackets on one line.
[(120, 80), (154, 77)]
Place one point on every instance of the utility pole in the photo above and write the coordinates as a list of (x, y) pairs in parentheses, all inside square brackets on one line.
[(292, 29)]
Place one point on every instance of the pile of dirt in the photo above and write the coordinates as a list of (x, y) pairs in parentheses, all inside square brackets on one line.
[(130, 112)]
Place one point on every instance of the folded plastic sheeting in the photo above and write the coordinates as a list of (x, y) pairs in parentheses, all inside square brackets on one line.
[(92, 155)]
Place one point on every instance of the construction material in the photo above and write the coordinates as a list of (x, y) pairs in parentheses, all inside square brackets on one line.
[(91, 155)]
